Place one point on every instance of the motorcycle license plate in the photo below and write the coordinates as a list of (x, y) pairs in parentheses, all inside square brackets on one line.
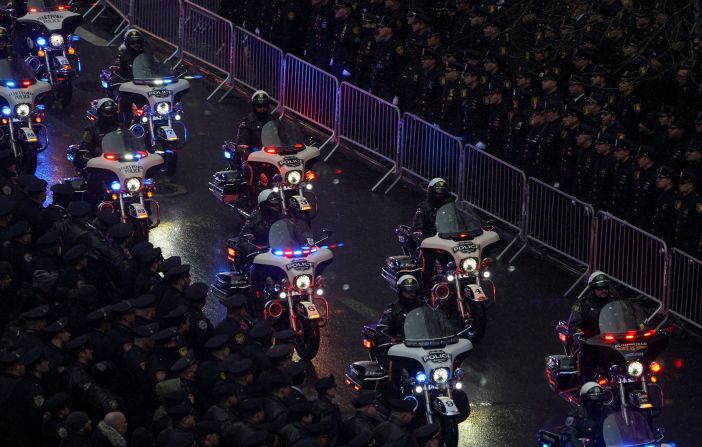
[(446, 406), (139, 211), (62, 61), (304, 203), (168, 133), (29, 135), (311, 310)]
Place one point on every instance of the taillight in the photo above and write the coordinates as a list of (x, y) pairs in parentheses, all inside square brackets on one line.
[(602, 382), (143, 154), (368, 344), (487, 263), (609, 338), (563, 337), (270, 150), (630, 336), (26, 83), (32, 9), (299, 146), (231, 253), (649, 333), (655, 367), (310, 175), (111, 157)]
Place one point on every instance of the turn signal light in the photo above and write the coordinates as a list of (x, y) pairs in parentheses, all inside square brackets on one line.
[(368, 344), (66, 67), (299, 146), (609, 338), (654, 379), (655, 367), (149, 194), (4, 120), (71, 50), (270, 150), (37, 119), (563, 337), (26, 83), (41, 53), (110, 157), (231, 253), (115, 197), (310, 175), (602, 382), (649, 333)]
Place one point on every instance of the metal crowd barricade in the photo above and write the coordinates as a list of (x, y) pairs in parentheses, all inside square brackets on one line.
[(160, 19), (310, 93), (685, 287), (495, 188), (558, 221), (426, 152), (370, 123), (210, 5), (257, 64), (209, 39), (630, 256)]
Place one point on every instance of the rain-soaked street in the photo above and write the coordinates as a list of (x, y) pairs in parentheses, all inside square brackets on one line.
[(504, 373)]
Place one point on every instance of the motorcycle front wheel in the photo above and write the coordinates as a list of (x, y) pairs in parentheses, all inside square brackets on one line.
[(64, 92), (479, 320), (449, 431), (27, 163), (307, 341), (141, 230)]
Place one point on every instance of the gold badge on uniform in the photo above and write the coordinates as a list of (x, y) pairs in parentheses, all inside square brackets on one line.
[(637, 107), (491, 8), (678, 204), (240, 338), (183, 351), (642, 70), (464, 92), (503, 50), (400, 50), (699, 207), (637, 174)]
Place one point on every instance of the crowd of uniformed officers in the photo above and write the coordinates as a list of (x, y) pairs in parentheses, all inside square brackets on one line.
[(597, 98), (105, 343)]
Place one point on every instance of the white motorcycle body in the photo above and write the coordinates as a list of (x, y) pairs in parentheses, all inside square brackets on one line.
[(461, 249), (51, 20), (126, 170), (286, 163)]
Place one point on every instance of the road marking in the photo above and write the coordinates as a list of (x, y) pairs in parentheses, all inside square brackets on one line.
[(90, 37), (359, 308)]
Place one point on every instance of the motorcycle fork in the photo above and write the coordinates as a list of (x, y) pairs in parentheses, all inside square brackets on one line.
[(291, 312), (121, 209), (427, 405), (12, 137), (49, 68), (151, 131), (459, 300)]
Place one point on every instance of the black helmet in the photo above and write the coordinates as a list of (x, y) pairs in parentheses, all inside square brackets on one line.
[(407, 283), (106, 108), (598, 280), (133, 37), (438, 188), (260, 98)]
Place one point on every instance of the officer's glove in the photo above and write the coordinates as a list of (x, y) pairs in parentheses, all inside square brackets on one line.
[(395, 101), (480, 146)]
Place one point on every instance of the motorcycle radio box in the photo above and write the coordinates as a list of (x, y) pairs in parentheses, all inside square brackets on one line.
[(227, 185), (561, 372), (366, 375)]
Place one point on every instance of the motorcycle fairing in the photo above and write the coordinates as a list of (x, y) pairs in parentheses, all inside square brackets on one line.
[(627, 428), (452, 351), (161, 93), (53, 21), (296, 266), (285, 163), (26, 95), (126, 170), (457, 249)]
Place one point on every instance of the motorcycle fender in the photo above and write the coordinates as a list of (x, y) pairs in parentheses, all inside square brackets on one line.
[(139, 211), (444, 405), (27, 135), (62, 61), (478, 294), (307, 309), (167, 133)]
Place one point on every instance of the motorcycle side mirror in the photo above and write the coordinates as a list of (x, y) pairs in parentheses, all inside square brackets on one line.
[(327, 233), (417, 235), (138, 130), (277, 178), (284, 283), (193, 76), (487, 263)]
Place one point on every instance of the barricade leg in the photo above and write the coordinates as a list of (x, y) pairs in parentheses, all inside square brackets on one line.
[(95, 5), (227, 79), (119, 27), (397, 180), (336, 146), (104, 7)]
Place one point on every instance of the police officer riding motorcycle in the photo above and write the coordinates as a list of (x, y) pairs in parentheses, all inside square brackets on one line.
[(408, 297), (132, 47), (585, 421), (105, 123)]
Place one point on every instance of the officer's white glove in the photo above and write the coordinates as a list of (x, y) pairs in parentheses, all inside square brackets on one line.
[(345, 73), (331, 62), (480, 146), (258, 32), (395, 101)]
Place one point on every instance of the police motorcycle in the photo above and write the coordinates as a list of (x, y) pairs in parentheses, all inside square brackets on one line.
[(423, 368), (121, 180), (49, 26), (22, 113), (625, 351), (461, 270), (281, 164), (154, 94), (286, 280)]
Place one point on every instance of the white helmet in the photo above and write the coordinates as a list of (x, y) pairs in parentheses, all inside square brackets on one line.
[(268, 195), (598, 279), (592, 390), (260, 97), (407, 281), (438, 185)]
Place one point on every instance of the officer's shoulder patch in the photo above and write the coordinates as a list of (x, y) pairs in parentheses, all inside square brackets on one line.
[(464, 92), (202, 325), (576, 307), (637, 174), (240, 338), (678, 204), (699, 207), (183, 351), (400, 50), (570, 420)]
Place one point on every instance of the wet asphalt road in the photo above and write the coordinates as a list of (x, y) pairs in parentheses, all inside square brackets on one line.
[(504, 373)]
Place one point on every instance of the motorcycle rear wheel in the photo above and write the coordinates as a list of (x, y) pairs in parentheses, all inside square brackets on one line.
[(307, 341), (449, 431)]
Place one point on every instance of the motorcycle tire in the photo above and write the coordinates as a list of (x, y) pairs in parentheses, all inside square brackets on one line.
[(170, 163), (479, 324), (141, 230), (65, 94), (307, 341), (27, 164), (449, 431)]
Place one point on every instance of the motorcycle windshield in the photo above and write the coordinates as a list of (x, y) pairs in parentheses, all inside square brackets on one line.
[(120, 142), (632, 430), (280, 134), (426, 323), (17, 71), (450, 220), (619, 317), (288, 233), (147, 68)]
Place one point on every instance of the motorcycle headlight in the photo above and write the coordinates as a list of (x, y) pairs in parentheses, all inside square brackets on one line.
[(133, 185), (293, 177), (469, 264), (22, 110), (56, 40), (303, 282), (440, 375), (635, 368), (163, 108)]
